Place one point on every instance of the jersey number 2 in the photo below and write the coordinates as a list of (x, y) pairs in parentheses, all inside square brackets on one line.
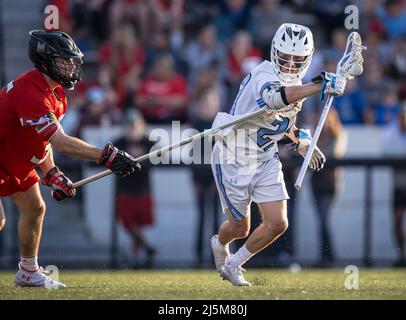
[(264, 135)]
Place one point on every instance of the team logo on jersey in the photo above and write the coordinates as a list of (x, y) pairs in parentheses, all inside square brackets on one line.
[(46, 126), (275, 85), (41, 47), (233, 181), (10, 86)]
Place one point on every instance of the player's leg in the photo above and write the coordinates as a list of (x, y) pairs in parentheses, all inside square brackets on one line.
[(2, 216), (274, 224), (32, 209), (32, 212), (268, 190), (233, 193), (231, 230)]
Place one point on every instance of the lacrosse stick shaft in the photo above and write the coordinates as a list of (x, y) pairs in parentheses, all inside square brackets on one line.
[(173, 146), (352, 51), (303, 169)]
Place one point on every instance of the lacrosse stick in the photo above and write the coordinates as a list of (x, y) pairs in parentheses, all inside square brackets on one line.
[(349, 66), (188, 140)]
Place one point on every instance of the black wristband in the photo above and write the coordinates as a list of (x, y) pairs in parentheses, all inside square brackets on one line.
[(51, 172), (283, 95)]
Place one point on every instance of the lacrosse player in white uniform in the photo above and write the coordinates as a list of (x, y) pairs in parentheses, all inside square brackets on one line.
[(255, 173)]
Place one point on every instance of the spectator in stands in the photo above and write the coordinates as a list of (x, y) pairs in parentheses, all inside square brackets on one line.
[(374, 41), (126, 56), (160, 45), (134, 204), (330, 14), (242, 57), (394, 18), (134, 12), (206, 102), (162, 95), (394, 146), (205, 52), (325, 183), (351, 106), (266, 18), (283, 249), (151, 16), (97, 111), (234, 15), (372, 83), (338, 42), (64, 14), (207, 80), (80, 16), (388, 107), (398, 57)]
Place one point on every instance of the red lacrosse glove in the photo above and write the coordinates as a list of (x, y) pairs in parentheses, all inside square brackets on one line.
[(61, 186), (118, 161)]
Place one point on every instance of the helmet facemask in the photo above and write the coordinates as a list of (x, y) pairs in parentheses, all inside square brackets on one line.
[(66, 71), (290, 68), (292, 52)]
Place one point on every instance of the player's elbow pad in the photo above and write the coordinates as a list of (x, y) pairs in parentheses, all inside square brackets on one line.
[(275, 99)]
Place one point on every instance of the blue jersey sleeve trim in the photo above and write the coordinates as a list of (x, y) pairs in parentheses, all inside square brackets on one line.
[(242, 86)]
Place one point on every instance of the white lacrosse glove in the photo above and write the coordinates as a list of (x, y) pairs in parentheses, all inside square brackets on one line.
[(318, 159), (332, 83)]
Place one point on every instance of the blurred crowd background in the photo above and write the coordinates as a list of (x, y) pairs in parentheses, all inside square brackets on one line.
[(184, 60), (149, 62)]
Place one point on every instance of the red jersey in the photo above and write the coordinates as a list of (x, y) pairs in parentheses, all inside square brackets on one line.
[(29, 117), (176, 86)]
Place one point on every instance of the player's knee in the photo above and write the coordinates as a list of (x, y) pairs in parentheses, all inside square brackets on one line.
[(280, 226), (40, 209), (2, 223), (35, 211), (241, 231)]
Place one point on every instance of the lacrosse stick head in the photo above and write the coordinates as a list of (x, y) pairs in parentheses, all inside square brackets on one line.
[(291, 110), (351, 64)]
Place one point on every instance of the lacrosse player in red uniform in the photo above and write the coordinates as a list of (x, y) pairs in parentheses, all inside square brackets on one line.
[(31, 108)]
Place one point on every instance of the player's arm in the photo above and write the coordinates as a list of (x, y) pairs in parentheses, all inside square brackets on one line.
[(74, 147), (301, 140), (278, 96), (118, 161), (300, 92), (48, 163)]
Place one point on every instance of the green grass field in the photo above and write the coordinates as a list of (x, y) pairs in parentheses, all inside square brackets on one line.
[(197, 284)]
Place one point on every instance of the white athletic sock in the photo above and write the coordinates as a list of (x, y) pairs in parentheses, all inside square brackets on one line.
[(29, 263), (222, 247), (240, 257)]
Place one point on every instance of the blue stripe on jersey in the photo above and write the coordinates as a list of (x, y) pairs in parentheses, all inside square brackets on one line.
[(261, 103), (236, 215), (242, 86)]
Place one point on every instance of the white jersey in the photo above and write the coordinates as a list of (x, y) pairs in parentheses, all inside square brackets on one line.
[(255, 139)]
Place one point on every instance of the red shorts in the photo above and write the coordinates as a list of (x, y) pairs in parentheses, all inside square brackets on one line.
[(10, 184), (135, 210)]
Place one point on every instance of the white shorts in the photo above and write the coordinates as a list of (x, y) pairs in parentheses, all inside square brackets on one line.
[(241, 182)]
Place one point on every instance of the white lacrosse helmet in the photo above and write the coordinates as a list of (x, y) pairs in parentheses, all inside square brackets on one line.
[(291, 52)]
